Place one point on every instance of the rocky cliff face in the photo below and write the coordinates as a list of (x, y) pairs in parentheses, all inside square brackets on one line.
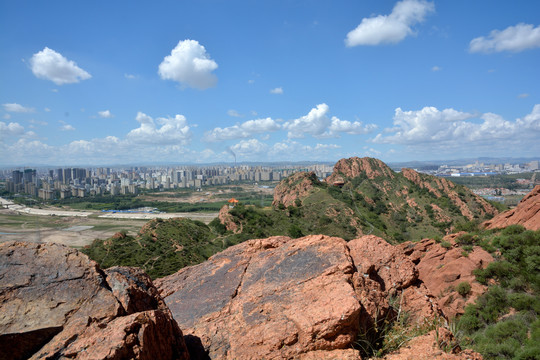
[(527, 213), (307, 298), (56, 303)]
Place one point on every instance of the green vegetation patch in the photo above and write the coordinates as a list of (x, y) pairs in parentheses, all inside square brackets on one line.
[(503, 323)]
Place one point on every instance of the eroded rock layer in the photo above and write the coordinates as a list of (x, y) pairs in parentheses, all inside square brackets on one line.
[(56, 303)]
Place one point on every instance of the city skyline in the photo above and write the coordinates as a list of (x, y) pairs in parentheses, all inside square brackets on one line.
[(219, 82)]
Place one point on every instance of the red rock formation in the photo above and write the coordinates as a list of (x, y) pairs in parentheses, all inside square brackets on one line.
[(441, 187), (393, 270), (57, 303), (441, 270), (296, 186), (308, 298), (527, 213), (227, 219), (269, 299), (355, 166)]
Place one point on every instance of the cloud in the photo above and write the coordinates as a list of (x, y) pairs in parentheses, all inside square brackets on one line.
[(106, 114), (67, 127), (391, 28), (47, 110), (319, 125), (154, 140), (11, 129), (277, 91), (523, 96), (314, 123), (130, 76), (436, 68), (347, 127), (446, 130), (249, 148), (14, 107), (234, 113), (50, 65), (7, 116), (532, 120), (241, 131), (38, 122), (173, 130), (513, 38), (190, 65)]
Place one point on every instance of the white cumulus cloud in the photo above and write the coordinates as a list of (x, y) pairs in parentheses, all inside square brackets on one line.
[(249, 148), (11, 129), (277, 91), (190, 65), (241, 131), (67, 127), (170, 130), (318, 124), (14, 107), (105, 114), (391, 28), (513, 38), (50, 65), (314, 123), (446, 130)]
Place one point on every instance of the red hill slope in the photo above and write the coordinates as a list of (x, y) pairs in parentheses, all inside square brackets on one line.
[(527, 213)]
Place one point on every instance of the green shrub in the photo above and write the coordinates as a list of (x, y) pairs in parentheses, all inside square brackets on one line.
[(445, 244), (463, 288)]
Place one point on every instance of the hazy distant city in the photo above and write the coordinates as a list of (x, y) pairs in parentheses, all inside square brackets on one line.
[(62, 183)]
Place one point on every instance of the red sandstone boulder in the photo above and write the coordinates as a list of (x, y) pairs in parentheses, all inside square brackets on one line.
[(269, 299), (527, 213), (56, 303)]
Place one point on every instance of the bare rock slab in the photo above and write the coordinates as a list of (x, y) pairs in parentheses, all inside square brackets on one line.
[(269, 299)]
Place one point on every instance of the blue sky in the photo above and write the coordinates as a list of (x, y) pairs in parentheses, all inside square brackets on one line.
[(110, 82)]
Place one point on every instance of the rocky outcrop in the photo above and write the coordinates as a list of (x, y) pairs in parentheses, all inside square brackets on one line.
[(527, 213), (395, 275), (294, 187), (442, 187), (308, 298), (269, 299), (228, 220), (56, 303), (355, 166), (441, 270)]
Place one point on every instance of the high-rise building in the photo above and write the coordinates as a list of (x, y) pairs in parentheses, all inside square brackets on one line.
[(17, 177)]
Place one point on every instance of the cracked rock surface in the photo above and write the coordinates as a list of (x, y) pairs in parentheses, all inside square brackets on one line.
[(269, 299), (306, 298), (56, 303)]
